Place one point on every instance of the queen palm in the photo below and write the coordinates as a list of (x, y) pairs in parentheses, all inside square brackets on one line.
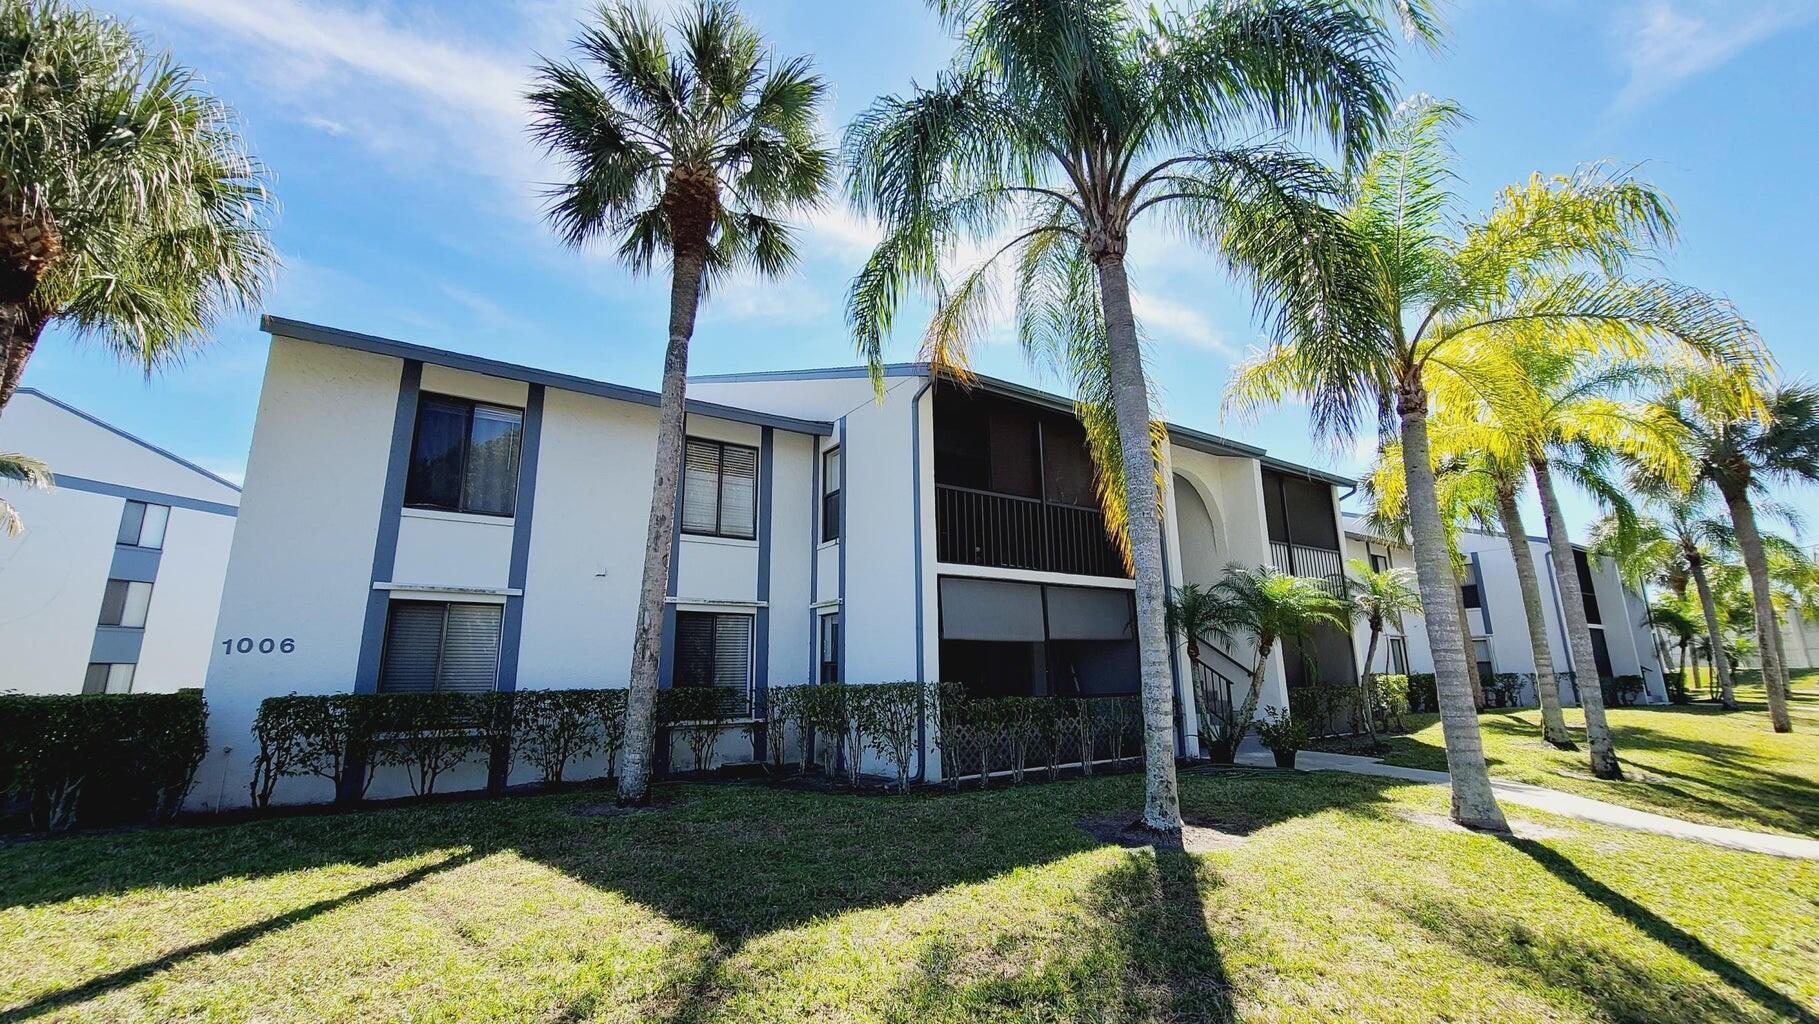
[(1064, 124), (1269, 606), (1742, 447), (128, 208), (691, 152), (1380, 597), (1371, 324), (26, 471), (1674, 614)]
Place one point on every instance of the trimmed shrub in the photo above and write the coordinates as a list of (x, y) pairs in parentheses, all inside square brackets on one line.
[(101, 758), (426, 733), (782, 708), (1392, 702), (890, 713), (609, 711), (1505, 689), (1282, 730), (701, 714), (550, 728), (1423, 693), (1622, 691), (1325, 709)]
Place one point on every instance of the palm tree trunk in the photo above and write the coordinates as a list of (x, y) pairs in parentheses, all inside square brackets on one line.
[(1474, 802), (1685, 684), (1768, 631), (1547, 688), (21, 325), (1721, 666), (1370, 683), (647, 645), (1469, 645), (1241, 722), (1578, 630), (1130, 401)]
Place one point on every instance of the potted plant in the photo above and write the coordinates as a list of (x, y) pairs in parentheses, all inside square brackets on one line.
[(1283, 734)]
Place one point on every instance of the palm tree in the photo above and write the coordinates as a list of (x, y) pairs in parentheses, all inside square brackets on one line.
[(129, 209), (1368, 320), (692, 152), (1741, 449), (1066, 122), (1191, 613), (1269, 606), (1380, 597), (1673, 614), (25, 470)]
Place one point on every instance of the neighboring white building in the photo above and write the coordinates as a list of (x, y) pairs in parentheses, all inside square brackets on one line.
[(1618, 616), (417, 518), (114, 585)]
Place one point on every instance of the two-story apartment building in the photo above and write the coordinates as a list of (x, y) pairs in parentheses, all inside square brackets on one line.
[(1492, 595), (114, 584), (484, 529)]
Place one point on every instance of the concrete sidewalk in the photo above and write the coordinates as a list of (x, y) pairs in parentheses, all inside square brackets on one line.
[(1565, 804)]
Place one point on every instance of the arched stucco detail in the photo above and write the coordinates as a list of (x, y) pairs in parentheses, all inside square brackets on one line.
[(1197, 520)]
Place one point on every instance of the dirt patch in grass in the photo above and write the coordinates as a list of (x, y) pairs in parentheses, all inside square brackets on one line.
[(609, 809), (1197, 836), (1519, 829)]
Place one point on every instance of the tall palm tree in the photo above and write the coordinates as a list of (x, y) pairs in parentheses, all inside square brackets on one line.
[(1742, 449), (1369, 320), (1380, 597), (691, 150), (1672, 613), (1271, 607), (1064, 124), (129, 210)]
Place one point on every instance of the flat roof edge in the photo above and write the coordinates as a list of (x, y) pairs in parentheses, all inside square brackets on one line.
[(341, 338), (130, 436)]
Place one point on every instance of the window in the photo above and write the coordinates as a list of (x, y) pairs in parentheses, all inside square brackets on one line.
[(1601, 652), (1482, 648), (715, 649), (1469, 592), (464, 457), (125, 603), (720, 489), (830, 494), (106, 677), (1398, 656), (1379, 563), (830, 649), (433, 645), (142, 524)]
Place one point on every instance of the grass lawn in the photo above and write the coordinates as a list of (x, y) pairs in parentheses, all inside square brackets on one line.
[(742, 903), (1697, 762)]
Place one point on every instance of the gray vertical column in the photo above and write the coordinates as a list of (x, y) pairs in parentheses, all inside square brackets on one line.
[(385, 545), (846, 530), (512, 630), (761, 620)]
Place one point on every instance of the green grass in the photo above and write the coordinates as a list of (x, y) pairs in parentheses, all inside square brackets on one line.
[(1697, 762), (742, 903)]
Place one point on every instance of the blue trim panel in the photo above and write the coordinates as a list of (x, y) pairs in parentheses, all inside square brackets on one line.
[(1174, 658), (137, 564), (916, 525), (512, 626), (846, 530), (761, 624), (134, 438), (818, 373), (78, 483), (1484, 599), (281, 327), (385, 545), (116, 645)]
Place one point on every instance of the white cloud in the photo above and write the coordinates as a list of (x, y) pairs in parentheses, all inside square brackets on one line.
[(1167, 318), (1665, 42)]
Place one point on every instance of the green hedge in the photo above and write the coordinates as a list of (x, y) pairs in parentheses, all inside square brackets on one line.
[(98, 759)]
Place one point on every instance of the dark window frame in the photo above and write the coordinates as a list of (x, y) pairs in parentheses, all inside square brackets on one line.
[(827, 658), (744, 699), (469, 405), (1398, 655), (1379, 563), (1471, 596), (436, 686), (719, 529), (830, 496)]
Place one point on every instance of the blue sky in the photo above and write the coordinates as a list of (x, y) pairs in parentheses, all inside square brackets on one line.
[(410, 202)]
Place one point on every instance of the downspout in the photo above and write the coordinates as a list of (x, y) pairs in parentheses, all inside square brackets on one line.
[(915, 405)]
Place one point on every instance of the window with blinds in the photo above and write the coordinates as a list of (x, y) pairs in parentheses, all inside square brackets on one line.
[(436, 645), (715, 649), (830, 495), (720, 489), (464, 457)]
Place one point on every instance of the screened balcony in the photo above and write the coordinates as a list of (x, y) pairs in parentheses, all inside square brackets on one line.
[(1303, 528), (1014, 489)]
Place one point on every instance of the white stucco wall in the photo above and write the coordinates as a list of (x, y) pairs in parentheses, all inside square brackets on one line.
[(53, 576)]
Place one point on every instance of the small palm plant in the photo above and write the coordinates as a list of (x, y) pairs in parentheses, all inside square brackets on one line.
[(691, 152), (1191, 613), (1381, 597), (1367, 322), (24, 470), (1060, 130), (1674, 615), (1742, 441), (1269, 607)]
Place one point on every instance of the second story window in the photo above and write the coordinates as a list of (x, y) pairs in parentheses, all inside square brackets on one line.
[(142, 524), (830, 494), (1469, 593), (125, 603), (720, 489), (464, 457)]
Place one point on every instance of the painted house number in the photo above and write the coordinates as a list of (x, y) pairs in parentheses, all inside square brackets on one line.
[(264, 645)]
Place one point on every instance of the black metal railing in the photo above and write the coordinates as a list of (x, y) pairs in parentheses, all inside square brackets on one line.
[(1006, 531), (1322, 564)]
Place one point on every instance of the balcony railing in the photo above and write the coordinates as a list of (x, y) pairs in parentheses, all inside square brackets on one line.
[(1009, 532), (1322, 564)]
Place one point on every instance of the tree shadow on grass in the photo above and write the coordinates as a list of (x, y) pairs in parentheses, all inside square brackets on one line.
[(227, 941)]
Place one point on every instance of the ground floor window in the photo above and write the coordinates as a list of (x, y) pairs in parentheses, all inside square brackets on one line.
[(108, 677), (715, 649), (829, 644), (1005, 639), (1601, 653), (1481, 649), (441, 645), (1398, 656)]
